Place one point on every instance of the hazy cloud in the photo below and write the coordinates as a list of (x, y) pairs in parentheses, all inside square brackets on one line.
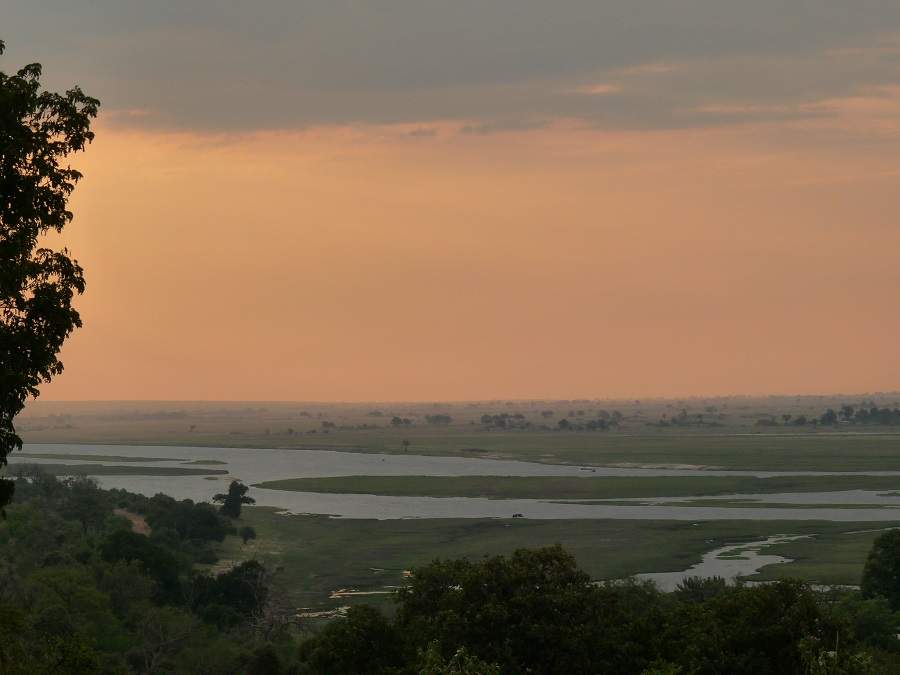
[(495, 64)]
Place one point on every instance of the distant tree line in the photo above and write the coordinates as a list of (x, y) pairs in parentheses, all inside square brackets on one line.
[(505, 421), (590, 425), (847, 414), (604, 422), (861, 415), (685, 419), (438, 419)]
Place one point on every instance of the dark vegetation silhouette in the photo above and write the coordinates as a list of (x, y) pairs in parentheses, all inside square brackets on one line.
[(39, 130), (870, 414), (881, 576), (82, 592), (438, 419), (866, 413), (234, 499), (536, 612)]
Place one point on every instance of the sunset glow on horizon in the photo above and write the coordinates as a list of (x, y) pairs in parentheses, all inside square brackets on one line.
[(637, 234)]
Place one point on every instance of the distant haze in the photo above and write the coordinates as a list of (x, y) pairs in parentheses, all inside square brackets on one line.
[(319, 201)]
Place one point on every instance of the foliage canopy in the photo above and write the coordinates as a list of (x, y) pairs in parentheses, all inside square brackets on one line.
[(234, 499), (39, 130)]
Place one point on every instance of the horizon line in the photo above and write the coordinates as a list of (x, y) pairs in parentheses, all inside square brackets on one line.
[(476, 400)]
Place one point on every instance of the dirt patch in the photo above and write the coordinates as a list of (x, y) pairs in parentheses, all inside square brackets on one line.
[(352, 592), (138, 522), (687, 467), (306, 613), (222, 566)]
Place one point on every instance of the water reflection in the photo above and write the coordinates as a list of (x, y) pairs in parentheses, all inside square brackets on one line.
[(729, 562), (253, 466)]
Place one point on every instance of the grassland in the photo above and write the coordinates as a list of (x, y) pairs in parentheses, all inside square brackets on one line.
[(113, 470), (753, 504), (821, 451), (316, 555), (804, 452), (831, 557), (730, 438), (90, 458), (552, 487)]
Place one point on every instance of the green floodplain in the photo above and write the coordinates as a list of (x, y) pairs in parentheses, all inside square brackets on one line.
[(90, 458), (121, 470), (586, 488), (317, 555), (762, 451), (730, 433)]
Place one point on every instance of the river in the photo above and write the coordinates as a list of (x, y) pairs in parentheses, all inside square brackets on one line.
[(258, 465)]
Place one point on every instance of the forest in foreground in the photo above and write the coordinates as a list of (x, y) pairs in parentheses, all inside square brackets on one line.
[(107, 581)]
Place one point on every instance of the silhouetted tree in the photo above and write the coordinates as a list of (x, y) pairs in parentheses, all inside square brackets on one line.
[(828, 418), (86, 502), (187, 520), (508, 611), (881, 575), (461, 663), (233, 597), (38, 131), (362, 643), (158, 562), (234, 499), (698, 589)]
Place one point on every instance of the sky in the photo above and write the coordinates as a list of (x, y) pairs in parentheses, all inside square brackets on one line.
[(423, 200)]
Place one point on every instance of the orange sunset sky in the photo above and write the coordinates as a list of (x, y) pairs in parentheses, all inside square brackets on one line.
[(321, 201)]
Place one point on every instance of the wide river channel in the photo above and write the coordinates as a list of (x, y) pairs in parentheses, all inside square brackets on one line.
[(258, 465)]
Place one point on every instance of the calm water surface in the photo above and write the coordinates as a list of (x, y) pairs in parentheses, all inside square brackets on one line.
[(729, 562), (258, 465)]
